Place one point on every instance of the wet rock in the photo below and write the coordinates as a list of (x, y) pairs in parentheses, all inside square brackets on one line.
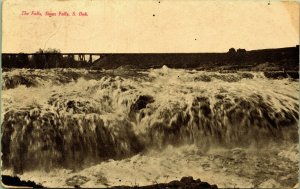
[(77, 180), (71, 104), (69, 76), (227, 77), (247, 75), (275, 75), (176, 183), (204, 78), (187, 179), (141, 102), (103, 180), (185, 182), (281, 74), (76, 107), (16, 80), (202, 105), (16, 182), (294, 75)]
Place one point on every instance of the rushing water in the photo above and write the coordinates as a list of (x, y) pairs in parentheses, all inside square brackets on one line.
[(68, 119)]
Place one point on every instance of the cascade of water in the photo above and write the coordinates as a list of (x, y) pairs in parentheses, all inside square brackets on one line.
[(72, 120)]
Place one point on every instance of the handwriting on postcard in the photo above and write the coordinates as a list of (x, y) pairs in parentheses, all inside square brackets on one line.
[(52, 13)]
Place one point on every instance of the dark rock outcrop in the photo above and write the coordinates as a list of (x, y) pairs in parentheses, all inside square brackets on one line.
[(16, 182), (282, 74), (185, 182), (141, 102)]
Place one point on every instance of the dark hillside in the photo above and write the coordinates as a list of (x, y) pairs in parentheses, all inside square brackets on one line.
[(278, 59)]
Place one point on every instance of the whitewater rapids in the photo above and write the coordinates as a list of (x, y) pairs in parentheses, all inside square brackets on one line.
[(67, 127)]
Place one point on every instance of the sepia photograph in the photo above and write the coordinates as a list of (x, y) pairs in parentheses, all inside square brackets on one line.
[(150, 94)]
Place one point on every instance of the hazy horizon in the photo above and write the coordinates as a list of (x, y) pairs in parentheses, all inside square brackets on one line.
[(144, 52)]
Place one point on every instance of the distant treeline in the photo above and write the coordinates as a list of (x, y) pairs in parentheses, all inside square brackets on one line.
[(272, 59), (42, 59), (265, 59)]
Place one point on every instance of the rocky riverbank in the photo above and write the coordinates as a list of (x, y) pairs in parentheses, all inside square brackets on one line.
[(185, 182)]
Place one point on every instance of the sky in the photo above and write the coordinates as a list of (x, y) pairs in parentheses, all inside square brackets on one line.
[(149, 26)]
